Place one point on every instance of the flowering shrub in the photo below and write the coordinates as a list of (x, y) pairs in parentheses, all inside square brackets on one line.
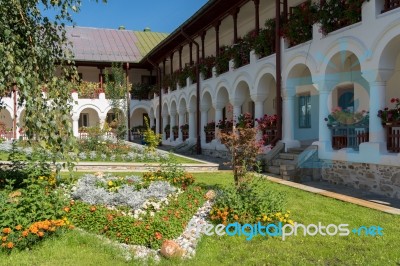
[(245, 121), (243, 147), (30, 211), (267, 121), (222, 60), (339, 116), (210, 126), (240, 51), (185, 127), (334, 15), (225, 124), (298, 28), (390, 115), (172, 172), (206, 65), (184, 180), (21, 238), (251, 202)]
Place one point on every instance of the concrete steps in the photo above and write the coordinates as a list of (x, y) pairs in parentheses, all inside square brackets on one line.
[(285, 164)]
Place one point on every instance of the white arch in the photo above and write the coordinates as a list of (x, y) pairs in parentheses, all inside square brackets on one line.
[(90, 106), (301, 58), (345, 44), (380, 43)]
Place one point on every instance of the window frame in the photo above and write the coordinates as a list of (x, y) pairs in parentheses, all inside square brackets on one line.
[(306, 98)]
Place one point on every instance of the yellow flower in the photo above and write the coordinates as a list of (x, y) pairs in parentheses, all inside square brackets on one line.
[(110, 183)]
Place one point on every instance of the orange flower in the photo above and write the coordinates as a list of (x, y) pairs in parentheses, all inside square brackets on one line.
[(18, 227), (4, 239), (40, 234), (10, 245), (33, 230), (93, 208), (25, 233), (3, 245), (7, 230), (158, 235), (67, 209)]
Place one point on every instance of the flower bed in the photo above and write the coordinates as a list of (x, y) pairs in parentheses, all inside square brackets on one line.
[(139, 211)]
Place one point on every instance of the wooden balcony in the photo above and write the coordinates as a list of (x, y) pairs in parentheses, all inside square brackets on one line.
[(349, 136), (393, 136), (390, 5)]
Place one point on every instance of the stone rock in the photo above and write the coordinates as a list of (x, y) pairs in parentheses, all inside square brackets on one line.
[(170, 249), (210, 195), (396, 179)]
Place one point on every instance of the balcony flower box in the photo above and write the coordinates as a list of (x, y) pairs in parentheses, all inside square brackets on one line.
[(209, 129), (185, 131)]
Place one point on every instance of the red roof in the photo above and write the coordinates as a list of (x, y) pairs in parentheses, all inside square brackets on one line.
[(110, 45)]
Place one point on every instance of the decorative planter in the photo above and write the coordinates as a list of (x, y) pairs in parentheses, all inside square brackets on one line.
[(210, 135), (185, 134), (176, 134)]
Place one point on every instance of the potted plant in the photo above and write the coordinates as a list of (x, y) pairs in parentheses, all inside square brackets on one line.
[(209, 129), (185, 131), (175, 130), (346, 117), (390, 116), (166, 130), (225, 126)]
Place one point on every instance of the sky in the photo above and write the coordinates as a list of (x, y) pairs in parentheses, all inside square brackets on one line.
[(159, 15)]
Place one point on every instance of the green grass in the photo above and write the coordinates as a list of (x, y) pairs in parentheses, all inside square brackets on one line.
[(178, 159), (76, 249)]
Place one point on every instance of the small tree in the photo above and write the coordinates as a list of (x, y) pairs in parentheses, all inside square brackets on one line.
[(152, 139), (116, 91), (243, 147)]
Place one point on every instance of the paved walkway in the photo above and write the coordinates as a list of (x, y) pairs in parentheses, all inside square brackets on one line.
[(344, 193), (222, 162)]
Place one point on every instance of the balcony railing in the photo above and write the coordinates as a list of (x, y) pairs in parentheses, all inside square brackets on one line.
[(391, 4), (349, 136), (393, 136)]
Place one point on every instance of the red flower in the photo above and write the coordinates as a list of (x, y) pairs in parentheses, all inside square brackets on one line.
[(392, 100)]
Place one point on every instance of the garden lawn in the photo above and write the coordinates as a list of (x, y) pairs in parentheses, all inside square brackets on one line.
[(75, 248)]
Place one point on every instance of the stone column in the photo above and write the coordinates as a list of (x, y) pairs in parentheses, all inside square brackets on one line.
[(181, 122), (172, 124), (237, 108), (157, 123), (151, 120), (288, 118), (102, 120), (324, 132), (204, 120), (218, 117), (192, 124), (258, 109), (377, 98), (164, 124), (75, 125)]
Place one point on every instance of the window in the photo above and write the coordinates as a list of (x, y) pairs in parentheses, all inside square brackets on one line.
[(83, 120), (346, 99), (305, 111)]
